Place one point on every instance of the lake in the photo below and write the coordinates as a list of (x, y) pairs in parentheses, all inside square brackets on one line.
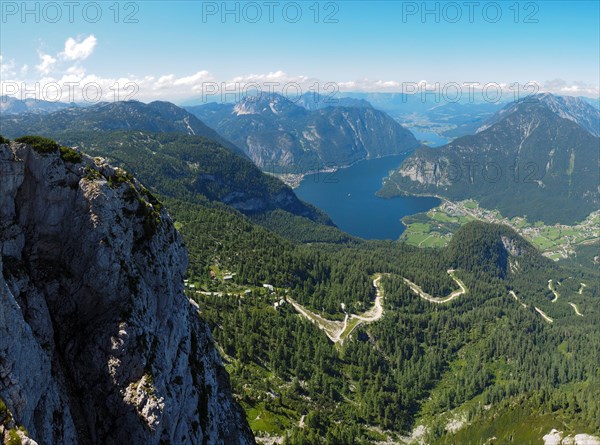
[(348, 197), (429, 138)]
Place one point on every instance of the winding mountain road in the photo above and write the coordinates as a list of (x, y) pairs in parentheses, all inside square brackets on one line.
[(576, 309), (338, 331), (512, 294), (439, 300), (556, 294), (544, 316)]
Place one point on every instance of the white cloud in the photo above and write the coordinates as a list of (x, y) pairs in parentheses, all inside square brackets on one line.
[(67, 66), (165, 81), (190, 83), (74, 74), (575, 88), (280, 77), (46, 64), (6, 66), (75, 50), (194, 86), (194, 79)]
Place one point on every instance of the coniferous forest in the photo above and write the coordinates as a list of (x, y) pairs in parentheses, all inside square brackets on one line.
[(485, 363)]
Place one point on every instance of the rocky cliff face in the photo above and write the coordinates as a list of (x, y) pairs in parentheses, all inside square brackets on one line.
[(98, 343)]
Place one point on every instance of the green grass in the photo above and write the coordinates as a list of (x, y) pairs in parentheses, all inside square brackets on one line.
[(563, 349), (352, 323), (516, 424), (414, 238), (262, 420), (443, 217), (552, 233), (519, 222), (542, 243), (13, 438), (434, 240), (420, 227), (570, 232), (571, 164), (39, 144), (465, 219)]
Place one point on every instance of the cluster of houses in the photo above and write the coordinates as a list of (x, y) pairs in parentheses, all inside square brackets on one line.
[(271, 289)]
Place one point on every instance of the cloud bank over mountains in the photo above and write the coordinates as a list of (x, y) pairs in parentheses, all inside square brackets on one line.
[(63, 77)]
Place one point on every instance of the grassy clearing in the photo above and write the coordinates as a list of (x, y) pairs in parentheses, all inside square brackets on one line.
[(262, 420), (442, 217), (434, 240), (415, 238), (515, 424), (435, 228)]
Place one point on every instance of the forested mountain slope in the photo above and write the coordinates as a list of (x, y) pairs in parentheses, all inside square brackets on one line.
[(154, 117), (484, 354), (530, 163), (507, 348), (195, 168)]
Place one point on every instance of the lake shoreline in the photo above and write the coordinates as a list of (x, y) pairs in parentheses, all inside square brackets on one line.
[(349, 198), (294, 180)]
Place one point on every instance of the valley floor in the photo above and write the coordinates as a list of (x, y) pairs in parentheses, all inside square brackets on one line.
[(435, 228)]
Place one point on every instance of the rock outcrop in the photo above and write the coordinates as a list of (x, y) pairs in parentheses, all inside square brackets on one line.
[(98, 343)]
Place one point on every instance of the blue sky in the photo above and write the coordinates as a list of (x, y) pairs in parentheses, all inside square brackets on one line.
[(371, 43)]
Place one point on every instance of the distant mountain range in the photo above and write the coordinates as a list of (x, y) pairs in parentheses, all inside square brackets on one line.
[(155, 117), (530, 162), (314, 101), (433, 113), (455, 119), (282, 136), (170, 150), (11, 105), (593, 101)]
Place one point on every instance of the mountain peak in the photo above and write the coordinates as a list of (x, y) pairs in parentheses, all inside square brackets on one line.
[(528, 162), (265, 104), (282, 136), (566, 107), (485, 247)]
